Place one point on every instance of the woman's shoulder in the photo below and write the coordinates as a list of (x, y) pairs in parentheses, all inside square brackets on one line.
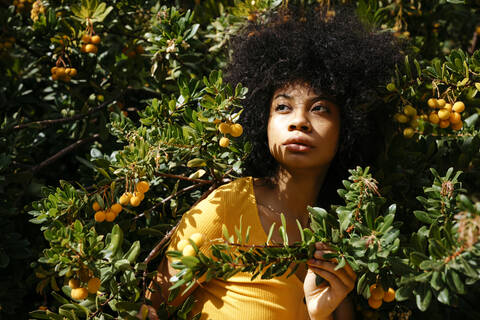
[(230, 193)]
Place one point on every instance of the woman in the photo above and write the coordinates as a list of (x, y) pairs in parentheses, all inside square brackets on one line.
[(311, 79)]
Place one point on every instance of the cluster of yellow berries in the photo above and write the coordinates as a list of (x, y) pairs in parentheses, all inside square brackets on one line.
[(186, 248), (409, 116), (89, 43), (378, 295), (109, 214), (21, 4), (37, 8), (234, 129), (64, 74), (132, 51), (448, 115), (80, 293), (7, 43), (134, 199)]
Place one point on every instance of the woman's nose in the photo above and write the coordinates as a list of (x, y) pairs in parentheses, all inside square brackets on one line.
[(300, 122)]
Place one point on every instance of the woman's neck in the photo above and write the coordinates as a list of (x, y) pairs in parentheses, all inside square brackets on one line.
[(292, 192)]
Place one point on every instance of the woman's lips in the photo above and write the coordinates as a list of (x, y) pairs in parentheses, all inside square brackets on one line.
[(297, 147)]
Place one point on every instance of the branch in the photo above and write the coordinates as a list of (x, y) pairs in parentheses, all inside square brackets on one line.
[(168, 175), (64, 120), (63, 152)]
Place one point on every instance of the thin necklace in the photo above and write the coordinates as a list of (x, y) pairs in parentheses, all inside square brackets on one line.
[(278, 213)]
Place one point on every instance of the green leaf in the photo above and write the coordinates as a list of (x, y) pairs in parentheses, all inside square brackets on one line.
[(423, 297), (424, 216), (270, 232)]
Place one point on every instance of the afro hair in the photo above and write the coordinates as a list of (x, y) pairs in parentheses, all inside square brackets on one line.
[(334, 54)]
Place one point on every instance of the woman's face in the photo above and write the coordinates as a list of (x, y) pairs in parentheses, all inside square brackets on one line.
[(303, 128)]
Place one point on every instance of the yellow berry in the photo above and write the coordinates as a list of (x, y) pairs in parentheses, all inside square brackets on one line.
[(116, 208), (443, 114), (408, 132), (433, 117), (100, 216), (73, 72), (441, 103), (444, 124), (182, 244), (188, 251), (224, 142), (79, 293), (135, 201), (96, 206), (458, 106), (389, 295), (74, 283), (198, 238), (410, 111), (236, 130), (455, 117), (93, 285), (448, 106), (142, 186), (110, 215), (432, 103), (95, 39), (224, 128), (400, 118), (125, 198)]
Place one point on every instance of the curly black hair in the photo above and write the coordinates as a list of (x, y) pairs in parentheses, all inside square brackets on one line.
[(337, 55)]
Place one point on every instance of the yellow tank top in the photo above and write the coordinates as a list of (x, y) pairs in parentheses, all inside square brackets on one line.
[(238, 298)]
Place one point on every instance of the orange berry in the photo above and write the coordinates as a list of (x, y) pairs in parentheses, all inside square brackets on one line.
[(374, 303), (91, 48), (74, 283), (224, 128), (116, 208), (408, 132), (224, 142), (444, 124), (139, 49), (54, 77), (60, 72), (389, 295), (73, 72), (100, 216), (457, 126), (110, 215), (142, 186), (400, 118), (93, 285), (86, 38), (236, 130), (95, 39), (458, 106), (96, 206), (377, 291), (448, 106), (455, 117), (79, 293), (54, 70)]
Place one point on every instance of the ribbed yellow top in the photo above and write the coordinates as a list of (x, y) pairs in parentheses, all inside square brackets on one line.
[(238, 298)]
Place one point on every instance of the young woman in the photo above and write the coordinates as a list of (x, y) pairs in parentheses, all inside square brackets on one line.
[(308, 115)]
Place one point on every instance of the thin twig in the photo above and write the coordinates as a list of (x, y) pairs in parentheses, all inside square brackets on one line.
[(191, 187), (64, 151), (63, 120)]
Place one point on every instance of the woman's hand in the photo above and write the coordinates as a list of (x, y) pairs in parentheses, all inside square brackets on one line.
[(322, 300)]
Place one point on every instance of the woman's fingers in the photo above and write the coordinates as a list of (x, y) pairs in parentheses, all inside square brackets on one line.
[(347, 278)]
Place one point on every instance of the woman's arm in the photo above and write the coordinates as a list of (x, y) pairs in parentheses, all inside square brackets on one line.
[(328, 299)]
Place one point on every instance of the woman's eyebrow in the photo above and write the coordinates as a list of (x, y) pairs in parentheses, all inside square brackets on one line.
[(314, 99)]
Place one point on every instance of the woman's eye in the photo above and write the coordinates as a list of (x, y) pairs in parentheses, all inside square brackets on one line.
[(320, 108), (281, 107)]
